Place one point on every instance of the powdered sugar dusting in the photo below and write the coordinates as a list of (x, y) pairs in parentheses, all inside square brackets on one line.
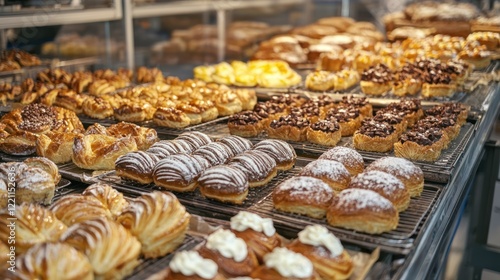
[(344, 155), (334, 170), (396, 166), (309, 187), (358, 199), (377, 181)]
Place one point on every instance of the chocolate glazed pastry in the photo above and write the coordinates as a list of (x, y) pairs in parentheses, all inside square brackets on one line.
[(245, 124), (376, 80)]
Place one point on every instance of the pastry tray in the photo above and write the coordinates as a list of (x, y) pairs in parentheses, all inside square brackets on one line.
[(72, 172), (194, 201), (439, 171)]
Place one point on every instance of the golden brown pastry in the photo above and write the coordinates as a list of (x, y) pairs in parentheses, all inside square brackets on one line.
[(351, 159), (99, 152), (365, 108), (290, 127), (144, 137), (349, 119), (171, 117), (375, 136), (325, 251), (46, 165), (97, 128), (227, 103), (34, 225), (259, 233), (177, 172), (331, 172), (73, 209), (224, 183), (384, 184), (283, 264), (303, 195), (136, 166), (110, 198), (21, 143), (189, 265), (282, 152), (376, 80), (97, 108), (112, 250), (364, 211), (56, 146), (403, 169), (158, 220), (4, 257), (230, 253), (245, 124), (135, 111), (259, 167), (101, 87), (52, 261), (424, 145), (324, 132)]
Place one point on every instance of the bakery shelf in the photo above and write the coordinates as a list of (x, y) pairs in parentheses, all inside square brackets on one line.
[(47, 17)]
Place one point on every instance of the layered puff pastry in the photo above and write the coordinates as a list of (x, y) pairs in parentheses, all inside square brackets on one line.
[(363, 211), (325, 251), (282, 264), (34, 225), (99, 152), (56, 146), (110, 198), (303, 195), (158, 220), (189, 265), (73, 209), (230, 252), (112, 251), (259, 233), (52, 261), (403, 169)]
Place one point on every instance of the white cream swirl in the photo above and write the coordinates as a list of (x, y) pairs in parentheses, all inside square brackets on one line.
[(189, 263), (228, 245), (245, 220), (288, 263), (317, 235)]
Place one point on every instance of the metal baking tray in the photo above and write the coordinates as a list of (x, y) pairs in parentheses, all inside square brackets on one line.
[(72, 172), (399, 241), (194, 201)]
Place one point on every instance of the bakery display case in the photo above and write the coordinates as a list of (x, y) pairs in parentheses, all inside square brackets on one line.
[(235, 134)]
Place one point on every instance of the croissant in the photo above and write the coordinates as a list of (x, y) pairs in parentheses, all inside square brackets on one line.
[(46, 165), (158, 220), (99, 152), (56, 146), (52, 261), (111, 249), (72, 209), (144, 137), (111, 199), (34, 225)]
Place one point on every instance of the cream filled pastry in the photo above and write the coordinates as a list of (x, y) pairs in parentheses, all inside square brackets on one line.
[(282, 263), (190, 265), (282, 152), (258, 166)]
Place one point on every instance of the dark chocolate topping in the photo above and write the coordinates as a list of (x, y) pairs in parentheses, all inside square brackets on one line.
[(343, 114), (372, 128), (287, 99), (291, 120), (244, 118), (328, 126), (265, 109), (354, 101), (378, 74), (388, 117), (424, 138)]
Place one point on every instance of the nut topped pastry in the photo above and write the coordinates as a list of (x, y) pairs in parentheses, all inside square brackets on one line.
[(230, 252), (360, 103), (324, 132), (349, 118), (376, 80), (282, 264), (392, 119), (245, 124), (325, 251), (447, 124), (270, 110), (375, 136), (288, 99), (259, 233), (425, 145), (384, 184), (190, 265), (452, 109), (290, 127), (364, 211)]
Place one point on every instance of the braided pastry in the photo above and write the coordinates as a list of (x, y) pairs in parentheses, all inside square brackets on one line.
[(56, 146), (111, 249), (144, 137), (99, 152), (34, 225), (52, 261), (110, 198), (73, 209), (158, 220)]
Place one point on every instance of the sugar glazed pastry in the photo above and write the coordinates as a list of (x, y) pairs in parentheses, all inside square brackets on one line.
[(384, 184), (259, 233), (303, 195), (231, 253), (110, 198), (325, 251), (403, 169), (331, 172), (34, 225), (224, 183), (52, 261), (111, 249), (362, 210), (350, 158), (283, 264), (177, 172), (136, 166), (282, 152), (189, 265), (158, 220)]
